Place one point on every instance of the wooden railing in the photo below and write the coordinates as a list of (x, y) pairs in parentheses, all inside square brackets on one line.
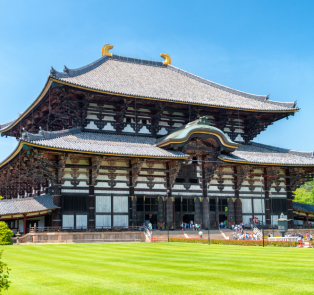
[(86, 229)]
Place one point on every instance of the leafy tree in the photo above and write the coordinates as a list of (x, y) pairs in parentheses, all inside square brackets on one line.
[(5, 234), (4, 275), (305, 194)]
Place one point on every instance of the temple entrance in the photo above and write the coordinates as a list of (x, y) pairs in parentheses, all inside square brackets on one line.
[(222, 217), (188, 218), (31, 223), (152, 219)]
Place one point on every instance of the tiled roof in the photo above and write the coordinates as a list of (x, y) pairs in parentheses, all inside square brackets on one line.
[(303, 207), (5, 125), (141, 78), (266, 154), (75, 139), (27, 205)]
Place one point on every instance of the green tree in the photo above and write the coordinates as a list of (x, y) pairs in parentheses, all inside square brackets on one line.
[(4, 275), (305, 194), (5, 234)]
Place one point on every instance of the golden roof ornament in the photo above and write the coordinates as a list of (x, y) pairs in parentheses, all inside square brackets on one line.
[(167, 58), (105, 50)]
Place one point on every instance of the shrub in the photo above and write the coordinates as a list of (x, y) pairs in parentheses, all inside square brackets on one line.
[(238, 242), (5, 234), (4, 275)]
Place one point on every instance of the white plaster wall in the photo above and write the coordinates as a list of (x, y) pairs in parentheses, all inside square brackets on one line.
[(68, 221), (21, 226), (128, 128), (246, 219), (162, 131), (81, 221), (246, 206), (103, 204), (81, 162), (74, 191), (120, 204), (109, 127), (144, 130), (155, 173), (111, 192), (177, 124), (103, 220), (120, 220), (258, 206)]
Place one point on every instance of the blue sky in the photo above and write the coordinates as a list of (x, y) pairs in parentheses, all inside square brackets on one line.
[(260, 47)]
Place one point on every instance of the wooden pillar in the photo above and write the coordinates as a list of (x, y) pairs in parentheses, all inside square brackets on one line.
[(266, 201), (307, 220), (91, 199), (230, 213), (133, 198), (169, 213), (217, 211), (56, 215), (289, 198), (205, 205), (197, 215), (181, 210), (160, 215), (144, 210), (134, 211), (24, 224)]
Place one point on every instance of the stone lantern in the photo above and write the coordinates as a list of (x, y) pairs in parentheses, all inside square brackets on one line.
[(283, 224), (18, 237)]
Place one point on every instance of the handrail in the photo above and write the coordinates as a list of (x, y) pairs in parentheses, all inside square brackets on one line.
[(85, 228)]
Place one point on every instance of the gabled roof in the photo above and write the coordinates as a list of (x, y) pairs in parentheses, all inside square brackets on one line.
[(256, 153), (200, 127), (27, 205), (153, 80), (107, 144)]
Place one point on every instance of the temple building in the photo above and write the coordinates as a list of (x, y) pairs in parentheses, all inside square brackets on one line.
[(123, 140)]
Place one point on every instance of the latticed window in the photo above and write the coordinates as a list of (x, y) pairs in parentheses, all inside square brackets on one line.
[(75, 203), (151, 204), (188, 205), (212, 205)]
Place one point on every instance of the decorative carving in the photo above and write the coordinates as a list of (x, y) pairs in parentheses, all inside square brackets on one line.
[(150, 164), (271, 175), (112, 183), (136, 166), (62, 160), (167, 58), (100, 124), (174, 167), (96, 162), (296, 177), (242, 171), (105, 50)]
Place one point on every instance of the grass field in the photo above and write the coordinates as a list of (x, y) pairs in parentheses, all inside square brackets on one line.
[(159, 268)]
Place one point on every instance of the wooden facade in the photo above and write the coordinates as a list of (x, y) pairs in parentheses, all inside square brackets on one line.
[(96, 189)]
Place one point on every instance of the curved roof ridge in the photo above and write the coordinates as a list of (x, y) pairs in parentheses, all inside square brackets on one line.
[(4, 125), (42, 134), (67, 73), (79, 71)]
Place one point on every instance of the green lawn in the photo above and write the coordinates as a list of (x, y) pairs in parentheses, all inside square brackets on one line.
[(159, 268)]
